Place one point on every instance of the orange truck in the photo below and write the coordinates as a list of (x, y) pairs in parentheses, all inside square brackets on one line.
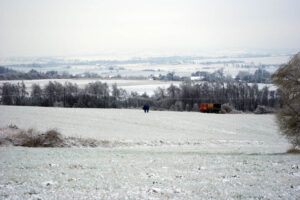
[(210, 107)]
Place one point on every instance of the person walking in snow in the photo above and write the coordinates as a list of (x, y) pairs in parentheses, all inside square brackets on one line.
[(146, 108)]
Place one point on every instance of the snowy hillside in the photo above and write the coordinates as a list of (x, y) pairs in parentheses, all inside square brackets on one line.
[(169, 155), (195, 130)]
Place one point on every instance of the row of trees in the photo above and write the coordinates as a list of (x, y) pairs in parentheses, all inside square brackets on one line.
[(242, 96), (259, 76), (186, 96), (9, 74), (56, 94)]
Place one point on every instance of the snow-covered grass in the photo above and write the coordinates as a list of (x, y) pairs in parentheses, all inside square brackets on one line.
[(77, 173), (170, 155), (235, 132)]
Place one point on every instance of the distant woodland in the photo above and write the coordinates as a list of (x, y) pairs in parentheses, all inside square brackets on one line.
[(259, 76), (9, 74), (186, 97)]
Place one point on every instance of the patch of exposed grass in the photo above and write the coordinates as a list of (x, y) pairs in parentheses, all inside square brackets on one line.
[(293, 151), (31, 138), (14, 136)]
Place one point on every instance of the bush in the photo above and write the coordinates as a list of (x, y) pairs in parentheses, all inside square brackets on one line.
[(263, 110), (293, 151), (226, 108), (51, 138), (31, 138), (13, 126)]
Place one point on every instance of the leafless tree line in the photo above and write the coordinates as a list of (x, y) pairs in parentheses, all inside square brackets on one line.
[(185, 97)]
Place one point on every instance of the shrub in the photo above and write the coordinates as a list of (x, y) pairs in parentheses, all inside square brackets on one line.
[(293, 151), (32, 138), (226, 108), (13, 126), (263, 110), (51, 138)]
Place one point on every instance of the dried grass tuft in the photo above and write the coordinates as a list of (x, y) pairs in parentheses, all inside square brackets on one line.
[(12, 136), (31, 138), (293, 151)]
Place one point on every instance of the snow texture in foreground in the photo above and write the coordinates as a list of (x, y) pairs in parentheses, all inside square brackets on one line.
[(179, 155), (96, 173)]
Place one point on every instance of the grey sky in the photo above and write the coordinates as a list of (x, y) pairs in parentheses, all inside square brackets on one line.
[(75, 27)]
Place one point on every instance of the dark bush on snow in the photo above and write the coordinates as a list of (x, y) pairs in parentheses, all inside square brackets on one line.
[(51, 138), (293, 151), (263, 110), (226, 108)]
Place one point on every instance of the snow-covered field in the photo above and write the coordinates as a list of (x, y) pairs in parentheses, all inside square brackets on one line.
[(181, 66), (168, 155)]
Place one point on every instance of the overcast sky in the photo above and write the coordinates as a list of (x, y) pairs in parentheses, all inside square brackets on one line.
[(82, 27)]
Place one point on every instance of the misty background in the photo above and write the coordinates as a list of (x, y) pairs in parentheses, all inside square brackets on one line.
[(137, 27)]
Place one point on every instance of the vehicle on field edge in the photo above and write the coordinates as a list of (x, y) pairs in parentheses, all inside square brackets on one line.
[(210, 107)]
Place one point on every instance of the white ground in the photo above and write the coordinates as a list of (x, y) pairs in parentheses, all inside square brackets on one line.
[(142, 69), (149, 86), (169, 155)]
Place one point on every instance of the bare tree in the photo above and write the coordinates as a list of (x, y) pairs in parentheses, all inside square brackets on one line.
[(10, 94), (287, 78), (36, 94)]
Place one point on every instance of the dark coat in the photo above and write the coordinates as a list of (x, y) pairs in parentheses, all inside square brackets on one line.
[(146, 108)]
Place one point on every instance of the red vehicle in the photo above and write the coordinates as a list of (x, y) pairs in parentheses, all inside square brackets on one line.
[(210, 107)]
